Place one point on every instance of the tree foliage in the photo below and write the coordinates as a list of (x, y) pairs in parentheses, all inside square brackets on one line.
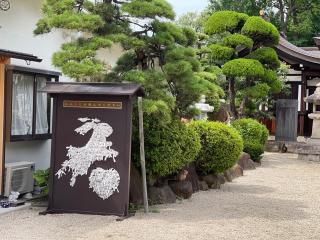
[(247, 68), (261, 31), (225, 21), (298, 19), (242, 47), (158, 54)]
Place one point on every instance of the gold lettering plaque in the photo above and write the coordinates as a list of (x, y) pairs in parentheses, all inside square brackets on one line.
[(92, 104)]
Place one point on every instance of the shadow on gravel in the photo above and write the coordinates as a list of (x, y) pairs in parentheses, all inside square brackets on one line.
[(247, 189), (278, 160), (215, 205)]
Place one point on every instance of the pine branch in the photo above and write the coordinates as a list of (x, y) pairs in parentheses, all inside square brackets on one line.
[(119, 2), (146, 27)]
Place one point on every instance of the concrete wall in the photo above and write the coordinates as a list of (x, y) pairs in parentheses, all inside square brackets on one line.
[(16, 34)]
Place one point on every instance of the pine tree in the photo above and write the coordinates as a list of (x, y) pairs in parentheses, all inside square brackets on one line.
[(157, 53), (242, 47)]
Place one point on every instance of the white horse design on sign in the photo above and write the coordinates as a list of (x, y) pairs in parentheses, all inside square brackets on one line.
[(96, 149)]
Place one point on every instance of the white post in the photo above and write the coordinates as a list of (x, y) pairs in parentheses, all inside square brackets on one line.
[(142, 156)]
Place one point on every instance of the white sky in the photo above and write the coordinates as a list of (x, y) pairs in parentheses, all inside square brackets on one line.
[(183, 6)]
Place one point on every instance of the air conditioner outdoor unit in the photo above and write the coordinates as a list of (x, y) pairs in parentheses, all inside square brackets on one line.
[(19, 177)]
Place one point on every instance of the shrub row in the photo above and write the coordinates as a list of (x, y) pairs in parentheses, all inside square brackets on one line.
[(213, 147)]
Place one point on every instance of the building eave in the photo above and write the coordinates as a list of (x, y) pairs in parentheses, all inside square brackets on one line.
[(19, 55), (297, 56)]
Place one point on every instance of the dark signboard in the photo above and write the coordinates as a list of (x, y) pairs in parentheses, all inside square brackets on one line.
[(91, 147)]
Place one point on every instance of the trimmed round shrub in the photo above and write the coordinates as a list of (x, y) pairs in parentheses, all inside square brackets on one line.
[(255, 149), (168, 148), (254, 134), (221, 146)]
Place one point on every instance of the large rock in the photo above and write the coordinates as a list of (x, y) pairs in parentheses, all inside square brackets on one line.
[(236, 171), (203, 186), (193, 178), (228, 175), (221, 178), (161, 195), (232, 173), (136, 190), (213, 181), (182, 189), (245, 162)]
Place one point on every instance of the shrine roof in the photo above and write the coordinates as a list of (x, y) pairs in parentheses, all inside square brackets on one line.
[(293, 55)]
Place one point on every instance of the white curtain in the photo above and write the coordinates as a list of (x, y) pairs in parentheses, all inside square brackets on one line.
[(42, 108), (22, 104)]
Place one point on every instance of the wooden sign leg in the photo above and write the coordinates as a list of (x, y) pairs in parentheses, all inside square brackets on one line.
[(142, 156)]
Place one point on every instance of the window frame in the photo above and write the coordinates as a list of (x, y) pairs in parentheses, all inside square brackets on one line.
[(50, 76)]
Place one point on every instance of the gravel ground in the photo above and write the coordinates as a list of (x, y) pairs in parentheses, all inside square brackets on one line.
[(280, 200)]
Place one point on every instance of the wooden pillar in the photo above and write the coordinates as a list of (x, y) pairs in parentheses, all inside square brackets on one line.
[(3, 62), (302, 103)]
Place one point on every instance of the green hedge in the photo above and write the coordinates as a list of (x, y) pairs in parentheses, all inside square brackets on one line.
[(168, 147), (254, 134), (221, 146)]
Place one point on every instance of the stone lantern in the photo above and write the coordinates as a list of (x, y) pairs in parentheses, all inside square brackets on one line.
[(315, 115), (311, 150), (204, 108)]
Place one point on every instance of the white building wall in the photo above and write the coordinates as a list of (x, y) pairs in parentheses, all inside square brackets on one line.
[(16, 34)]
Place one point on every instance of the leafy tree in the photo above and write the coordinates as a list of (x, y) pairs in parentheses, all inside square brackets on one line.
[(209, 73), (194, 20), (298, 19), (157, 53), (242, 47)]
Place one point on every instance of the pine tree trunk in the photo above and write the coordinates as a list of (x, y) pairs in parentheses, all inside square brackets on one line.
[(232, 98), (242, 107)]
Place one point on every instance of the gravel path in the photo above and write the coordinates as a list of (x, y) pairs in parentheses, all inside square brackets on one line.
[(280, 200)]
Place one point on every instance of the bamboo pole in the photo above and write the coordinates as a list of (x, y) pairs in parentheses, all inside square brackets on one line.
[(142, 156)]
